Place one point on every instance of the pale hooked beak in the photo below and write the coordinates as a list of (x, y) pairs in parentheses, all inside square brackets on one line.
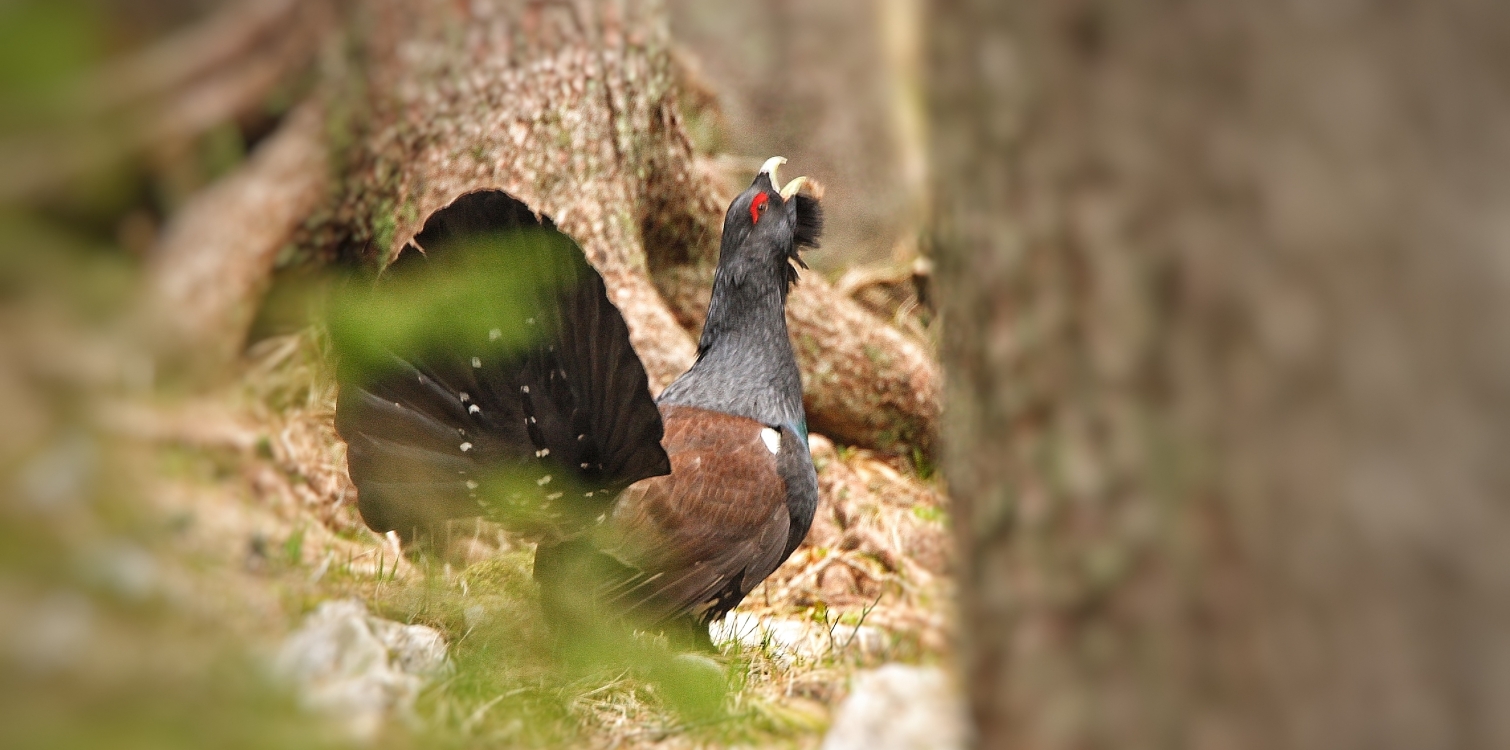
[(791, 188)]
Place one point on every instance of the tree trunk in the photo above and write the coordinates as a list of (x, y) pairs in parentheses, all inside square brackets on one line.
[(1224, 294)]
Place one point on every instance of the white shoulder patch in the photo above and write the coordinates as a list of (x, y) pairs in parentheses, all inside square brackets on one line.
[(772, 439)]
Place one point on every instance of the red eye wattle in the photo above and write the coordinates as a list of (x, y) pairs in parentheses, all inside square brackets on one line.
[(757, 206)]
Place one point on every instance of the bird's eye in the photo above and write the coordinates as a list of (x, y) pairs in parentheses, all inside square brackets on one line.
[(758, 206)]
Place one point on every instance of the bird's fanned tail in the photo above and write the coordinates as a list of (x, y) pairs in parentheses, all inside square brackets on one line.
[(489, 374)]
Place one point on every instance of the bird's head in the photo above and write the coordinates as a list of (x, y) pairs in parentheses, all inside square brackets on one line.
[(769, 223)]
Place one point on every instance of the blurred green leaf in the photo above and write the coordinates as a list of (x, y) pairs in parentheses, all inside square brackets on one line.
[(474, 298)]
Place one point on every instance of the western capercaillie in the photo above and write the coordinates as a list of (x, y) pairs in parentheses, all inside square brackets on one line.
[(489, 374)]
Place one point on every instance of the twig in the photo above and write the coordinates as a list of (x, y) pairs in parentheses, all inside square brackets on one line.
[(216, 258)]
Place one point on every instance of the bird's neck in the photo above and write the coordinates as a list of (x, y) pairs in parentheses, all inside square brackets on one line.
[(745, 364)]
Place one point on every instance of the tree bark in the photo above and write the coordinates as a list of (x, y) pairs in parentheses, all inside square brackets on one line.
[(1224, 297)]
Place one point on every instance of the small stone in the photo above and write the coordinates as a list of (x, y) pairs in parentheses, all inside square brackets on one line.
[(789, 640), (899, 707), (357, 668)]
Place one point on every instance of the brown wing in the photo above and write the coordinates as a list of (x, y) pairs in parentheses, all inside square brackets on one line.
[(703, 536)]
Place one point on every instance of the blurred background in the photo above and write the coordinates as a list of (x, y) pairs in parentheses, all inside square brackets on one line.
[(834, 87), (1219, 288)]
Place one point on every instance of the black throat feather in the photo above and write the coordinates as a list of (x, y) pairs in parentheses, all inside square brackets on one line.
[(745, 365)]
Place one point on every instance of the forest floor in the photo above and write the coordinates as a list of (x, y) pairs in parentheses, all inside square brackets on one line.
[(158, 550)]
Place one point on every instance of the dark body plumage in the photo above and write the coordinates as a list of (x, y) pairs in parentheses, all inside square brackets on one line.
[(661, 514)]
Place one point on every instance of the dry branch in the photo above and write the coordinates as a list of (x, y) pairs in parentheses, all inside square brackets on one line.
[(215, 260), (864, 382)]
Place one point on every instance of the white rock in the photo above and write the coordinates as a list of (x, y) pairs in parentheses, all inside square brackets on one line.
[(791, 640), (358, 668), (899, 707), (415, 649)]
